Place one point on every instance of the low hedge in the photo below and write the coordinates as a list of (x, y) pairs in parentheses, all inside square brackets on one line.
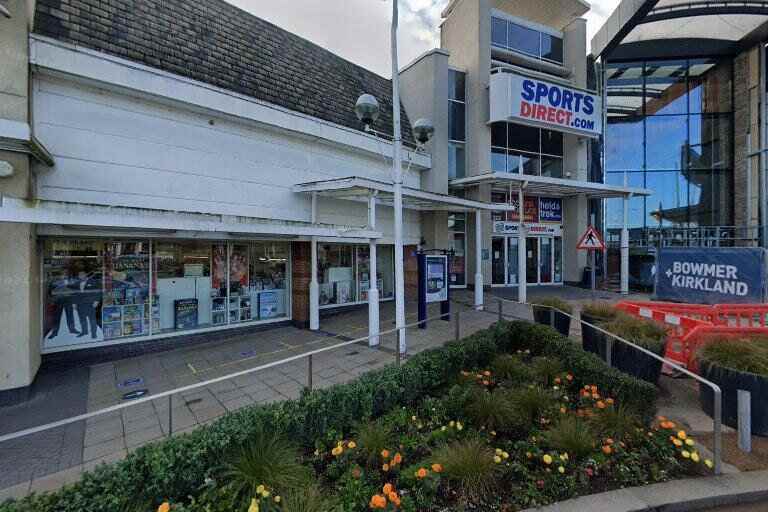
[(177, 467)]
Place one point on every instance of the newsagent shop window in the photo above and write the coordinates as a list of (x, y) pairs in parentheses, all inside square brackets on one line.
[(99, 290)]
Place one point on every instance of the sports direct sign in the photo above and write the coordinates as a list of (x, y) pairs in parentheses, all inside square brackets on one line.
[(726, 275), (533, 101)]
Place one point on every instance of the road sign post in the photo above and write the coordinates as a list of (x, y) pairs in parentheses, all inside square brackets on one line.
[(591, 241)]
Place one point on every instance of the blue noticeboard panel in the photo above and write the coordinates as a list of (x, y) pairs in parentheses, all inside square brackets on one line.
[(709, 275)]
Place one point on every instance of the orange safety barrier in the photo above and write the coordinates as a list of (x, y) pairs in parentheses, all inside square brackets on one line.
[(691, 325)]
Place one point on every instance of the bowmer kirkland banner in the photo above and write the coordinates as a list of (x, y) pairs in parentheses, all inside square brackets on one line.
[(711, 275), (532, 101)]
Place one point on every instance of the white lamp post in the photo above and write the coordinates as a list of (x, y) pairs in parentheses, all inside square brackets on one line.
[(367, 110)]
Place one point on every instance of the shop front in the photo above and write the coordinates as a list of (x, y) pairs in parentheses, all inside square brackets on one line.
[(543, 219), (101, 291), (344, 273)]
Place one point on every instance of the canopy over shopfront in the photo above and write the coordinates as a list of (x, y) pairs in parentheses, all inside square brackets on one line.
[(697, 27), (557, 187), (378, 192)]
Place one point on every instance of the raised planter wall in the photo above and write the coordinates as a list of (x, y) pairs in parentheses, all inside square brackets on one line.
[(730, 381), (543, 315)]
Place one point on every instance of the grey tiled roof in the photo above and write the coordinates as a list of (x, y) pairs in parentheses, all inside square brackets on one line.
[(217, 43)]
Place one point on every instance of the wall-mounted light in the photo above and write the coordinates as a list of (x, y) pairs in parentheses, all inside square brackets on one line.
[(6, 169)]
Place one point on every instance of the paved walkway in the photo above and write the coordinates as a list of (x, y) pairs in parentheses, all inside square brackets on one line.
[(47, 460)]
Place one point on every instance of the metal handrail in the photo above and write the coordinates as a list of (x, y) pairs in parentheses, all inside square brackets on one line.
[(170, 393), (718, 395)]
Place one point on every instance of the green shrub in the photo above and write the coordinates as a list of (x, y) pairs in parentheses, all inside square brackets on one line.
[(605, 311), (586, 367), (372, 438), (510, 368), (529, 404), (571, 435), (266, 460), (494, 411), (615, 422), (545, 369), (645, 333), (553, 302), (743, 355), (469, 467)]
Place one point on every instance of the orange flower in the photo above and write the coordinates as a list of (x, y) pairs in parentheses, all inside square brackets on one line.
[(609, 441), (387, 488), (487, 373), (596, 396), (397, 459), (385, 454), (600, 404), (593, 388), (378, 501), (421, 473), (569, 377), (607, 450), (393, 497), (557, 380), (165, 507), (437, 468)]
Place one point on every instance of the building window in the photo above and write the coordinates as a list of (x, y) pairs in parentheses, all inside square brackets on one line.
[(529, 41), (457, 124), (104, 290), (344, 273), (457, 241), (524, 149), (670, 130)]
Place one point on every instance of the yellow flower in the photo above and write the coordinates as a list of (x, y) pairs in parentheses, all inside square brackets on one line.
[(505, 455), (677, 442), (682, 434), (443, 428), (689, 442), (493, 433), (413, 418), (352, 445), (254, 506), (708, 463), (260, 489), (277, 499), (459, 426), (561, 469), (695, 457), (385, 467), (265, 494), (337, 451), (547, 459), (564, 456), (165, 507), (451, 423), (497, 459), (686, 454), (498, 451)]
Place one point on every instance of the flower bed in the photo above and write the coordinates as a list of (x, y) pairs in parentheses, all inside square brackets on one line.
[(511, 417)]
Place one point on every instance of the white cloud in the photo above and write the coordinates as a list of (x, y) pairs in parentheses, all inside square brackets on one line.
[(358, 30)]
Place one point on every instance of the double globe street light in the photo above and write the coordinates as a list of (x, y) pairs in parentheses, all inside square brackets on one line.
[(367, 110)]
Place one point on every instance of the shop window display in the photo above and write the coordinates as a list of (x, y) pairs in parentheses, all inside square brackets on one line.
[(126, 302), (267, 279), (344, 273)]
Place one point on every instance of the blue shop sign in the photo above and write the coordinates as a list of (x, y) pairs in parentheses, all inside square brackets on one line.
[(722, 275), (550, 209)]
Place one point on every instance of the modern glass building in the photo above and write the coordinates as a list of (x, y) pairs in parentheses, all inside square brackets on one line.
[(684, 89)]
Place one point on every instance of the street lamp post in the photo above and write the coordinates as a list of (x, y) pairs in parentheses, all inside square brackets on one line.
[(367, 110)]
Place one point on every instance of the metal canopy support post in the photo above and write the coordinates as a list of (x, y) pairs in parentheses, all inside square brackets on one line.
[(522, 279), (373, 291), (478, 260), (625, 247), (314, 286), (763, 165), (397, 179)]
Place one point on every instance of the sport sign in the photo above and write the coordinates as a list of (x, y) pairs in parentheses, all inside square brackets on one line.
[(591, 240), (722, 275), (537, 102)]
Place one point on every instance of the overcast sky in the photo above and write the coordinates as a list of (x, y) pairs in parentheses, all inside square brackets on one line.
[(358, 30)]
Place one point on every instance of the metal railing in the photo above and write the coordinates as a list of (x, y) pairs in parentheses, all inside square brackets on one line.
[(718, 395), (207, 383)]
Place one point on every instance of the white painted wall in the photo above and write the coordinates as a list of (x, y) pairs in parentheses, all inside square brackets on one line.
[(120, 149)]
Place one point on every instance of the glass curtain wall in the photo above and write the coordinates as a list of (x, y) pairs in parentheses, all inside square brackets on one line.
[(518, 37), (105, 290), (670, 130)]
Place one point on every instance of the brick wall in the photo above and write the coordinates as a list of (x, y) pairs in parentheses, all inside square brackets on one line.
[(301, 274)]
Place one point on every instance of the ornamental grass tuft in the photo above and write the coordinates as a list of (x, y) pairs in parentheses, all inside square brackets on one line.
[(599, 309), (573, 436), (469, 467), (743, 355), (494, 411), (546, 369), (372, 438), (553, 302), (511, 368), (645, 333)]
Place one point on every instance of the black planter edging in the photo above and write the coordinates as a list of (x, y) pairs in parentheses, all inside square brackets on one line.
[(636, 363), (592, 340), (543, 315), (730, 381)]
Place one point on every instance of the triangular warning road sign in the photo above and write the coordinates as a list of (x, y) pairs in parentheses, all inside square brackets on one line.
[(591, 240)]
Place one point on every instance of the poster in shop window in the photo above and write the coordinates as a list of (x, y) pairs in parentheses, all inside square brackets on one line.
[(238, 267), (219, 268), (530, 208)]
